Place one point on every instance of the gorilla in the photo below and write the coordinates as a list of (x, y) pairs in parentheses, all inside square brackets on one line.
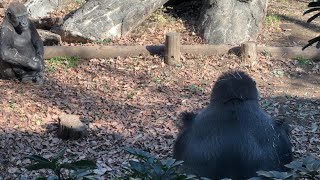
[(21, 47), (232, 137)]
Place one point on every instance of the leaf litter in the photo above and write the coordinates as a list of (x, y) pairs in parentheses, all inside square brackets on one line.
[(136, 102)]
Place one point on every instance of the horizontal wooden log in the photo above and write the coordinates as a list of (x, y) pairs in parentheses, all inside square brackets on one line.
[(89, 52), (290, 52), (209, 50)]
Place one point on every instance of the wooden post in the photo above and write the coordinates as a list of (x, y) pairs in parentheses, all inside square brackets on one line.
[(249, 53), (172, 48)]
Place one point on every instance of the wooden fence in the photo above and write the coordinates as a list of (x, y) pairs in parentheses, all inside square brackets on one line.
[(172, 49)]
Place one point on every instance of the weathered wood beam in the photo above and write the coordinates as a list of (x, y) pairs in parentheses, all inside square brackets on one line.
[(89, 52), (248, 53), (172, 52)]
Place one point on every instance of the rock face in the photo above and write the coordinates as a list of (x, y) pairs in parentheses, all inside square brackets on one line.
[(102, 19), (40, 8), (231, 21)]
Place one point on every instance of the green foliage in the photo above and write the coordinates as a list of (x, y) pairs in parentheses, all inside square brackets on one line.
[(314, 7), (159, 17), (80, 169), (302, 61), (66, 62), (103, 41), (147, 167), (308, 168), (79, 1), (273, 20)]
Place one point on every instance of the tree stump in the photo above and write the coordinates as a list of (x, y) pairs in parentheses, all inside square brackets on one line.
[(249, 53), (71, 128), (172, 49)]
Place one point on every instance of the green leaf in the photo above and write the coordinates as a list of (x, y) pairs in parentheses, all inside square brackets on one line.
[(41, 178), (308, 160), (177, 163), (168, 162), (151, 160), (59, 155), (68, 166), (255, 178), (138, 167), (38, 159), (311, 164), (265, 174), (139, 153), (41, 165), (81, 173), (296, 166), (203, 178), (52, 178), (157, 170), (275, 174), (84, 164)]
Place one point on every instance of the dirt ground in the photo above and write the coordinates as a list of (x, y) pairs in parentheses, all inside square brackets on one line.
[(136, 101)]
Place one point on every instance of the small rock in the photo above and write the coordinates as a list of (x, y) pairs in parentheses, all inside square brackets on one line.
[(49, 38)]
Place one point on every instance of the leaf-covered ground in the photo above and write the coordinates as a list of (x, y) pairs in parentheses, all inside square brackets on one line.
[(136, 101)]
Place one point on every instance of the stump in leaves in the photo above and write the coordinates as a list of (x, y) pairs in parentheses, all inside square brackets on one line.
[(71, 128)]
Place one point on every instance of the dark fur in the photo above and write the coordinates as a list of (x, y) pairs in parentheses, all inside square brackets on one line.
[(21, 48), (187, 118), (232, 137)]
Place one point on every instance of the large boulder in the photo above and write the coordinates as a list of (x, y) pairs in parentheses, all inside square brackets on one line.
[(41, 8), (231, 21), (103, 19)]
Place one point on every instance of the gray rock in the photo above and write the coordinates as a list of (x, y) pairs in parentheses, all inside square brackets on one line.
[(49, 38), (103, 19), (41, 8), (231, 21)]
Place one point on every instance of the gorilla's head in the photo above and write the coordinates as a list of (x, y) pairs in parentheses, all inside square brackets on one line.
[(17, 15)]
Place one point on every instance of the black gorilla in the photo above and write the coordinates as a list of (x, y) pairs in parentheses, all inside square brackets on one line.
[(232, 137), (21, 47)]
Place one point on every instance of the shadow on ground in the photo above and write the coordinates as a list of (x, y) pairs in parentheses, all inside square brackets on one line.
[(106, 146), (188, 12)]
